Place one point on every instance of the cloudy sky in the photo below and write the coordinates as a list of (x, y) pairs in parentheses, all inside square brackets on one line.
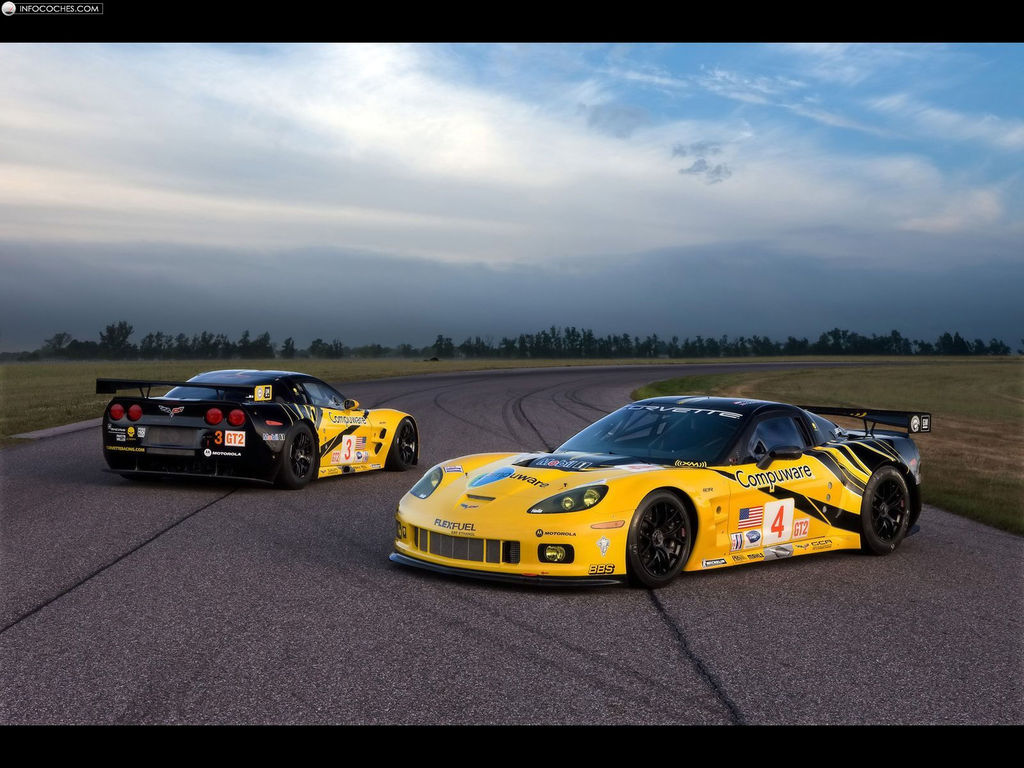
[(380, 193)]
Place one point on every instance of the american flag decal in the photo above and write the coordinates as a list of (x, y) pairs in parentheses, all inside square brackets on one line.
[(360, 443), (751, 517)]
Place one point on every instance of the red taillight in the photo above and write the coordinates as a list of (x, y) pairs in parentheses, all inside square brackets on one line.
[(214, 416), (117, 411), (135, 412), (236, 418)]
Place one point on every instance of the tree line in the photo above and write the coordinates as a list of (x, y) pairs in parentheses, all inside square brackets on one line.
[(569, 342)]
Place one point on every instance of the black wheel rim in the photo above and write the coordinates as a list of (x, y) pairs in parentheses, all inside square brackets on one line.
[(407, 444), (301, 454), (888, 509), (663, 537)]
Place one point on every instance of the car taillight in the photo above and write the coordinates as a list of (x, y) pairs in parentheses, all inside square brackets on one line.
[(117, 411), (236, 418), (135, 412), (214, 416)]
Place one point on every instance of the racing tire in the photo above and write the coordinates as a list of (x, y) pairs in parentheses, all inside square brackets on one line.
[(404, 451), (659, 542), (884, 512), (299, 459)]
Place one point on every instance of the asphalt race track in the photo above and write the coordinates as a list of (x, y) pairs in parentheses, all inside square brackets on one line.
[(195, 602)]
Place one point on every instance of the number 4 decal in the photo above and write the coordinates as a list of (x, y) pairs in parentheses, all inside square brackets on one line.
[(778, 522)]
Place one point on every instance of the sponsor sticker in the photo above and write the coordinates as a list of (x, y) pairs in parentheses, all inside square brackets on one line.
[(273, 436), (129, 448), (337, 418), (735, 541), (801, 527), (141, 431), (234, 438), (451, 525), (601, 569), (677, 409), (263, 393), (131, 431), (453, 468), (172, 412), (712, 563), (603, 543), (771, 477), (565, 463), (697, 464), (528, 479), (231, 454), (752, 539)]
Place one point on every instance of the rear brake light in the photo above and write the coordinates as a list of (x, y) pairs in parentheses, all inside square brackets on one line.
[(117, 411), (214, 416), (236, 418), (135, 412)]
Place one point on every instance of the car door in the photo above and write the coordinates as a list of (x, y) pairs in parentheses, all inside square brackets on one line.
[(771, 507), (342, 433)]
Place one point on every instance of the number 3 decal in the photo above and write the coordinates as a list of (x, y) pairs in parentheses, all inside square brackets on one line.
[(778, 521)]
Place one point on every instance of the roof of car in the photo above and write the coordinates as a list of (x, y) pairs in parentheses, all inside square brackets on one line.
[(244, 376)]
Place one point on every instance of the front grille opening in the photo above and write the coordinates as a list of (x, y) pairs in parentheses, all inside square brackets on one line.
[(510, 552), (465, 548)]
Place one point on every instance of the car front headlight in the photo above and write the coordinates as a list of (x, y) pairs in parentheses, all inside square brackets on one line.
[(576, 500), (428, 483)]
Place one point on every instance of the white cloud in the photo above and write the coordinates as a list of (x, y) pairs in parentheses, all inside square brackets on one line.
[(391, 149), (1002, 133)]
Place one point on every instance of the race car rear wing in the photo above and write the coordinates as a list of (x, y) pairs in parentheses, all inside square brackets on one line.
[(912, 421), (111, 386)]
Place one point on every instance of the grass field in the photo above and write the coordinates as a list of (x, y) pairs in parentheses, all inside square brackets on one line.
[(972, 461)]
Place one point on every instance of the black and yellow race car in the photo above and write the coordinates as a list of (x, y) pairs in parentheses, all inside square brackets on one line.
[(268, 426), (670, 484)]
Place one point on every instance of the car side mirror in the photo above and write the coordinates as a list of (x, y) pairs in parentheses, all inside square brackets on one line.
[(350, 405), (780, 452)]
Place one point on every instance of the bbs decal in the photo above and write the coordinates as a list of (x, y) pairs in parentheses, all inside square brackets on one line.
[(601, 568)]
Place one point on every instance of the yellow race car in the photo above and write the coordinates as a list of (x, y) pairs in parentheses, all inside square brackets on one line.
[(264, 426), (670, 484)]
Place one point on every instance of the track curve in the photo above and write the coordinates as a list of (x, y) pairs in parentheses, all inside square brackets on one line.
[(213, 603)]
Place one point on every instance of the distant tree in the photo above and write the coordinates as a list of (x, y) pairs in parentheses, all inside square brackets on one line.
[(261, 347), (371, 350), (405, 350), (56, 345), (114, 341), (320, 348), (443, 346), (288, 348), (998, 347)]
